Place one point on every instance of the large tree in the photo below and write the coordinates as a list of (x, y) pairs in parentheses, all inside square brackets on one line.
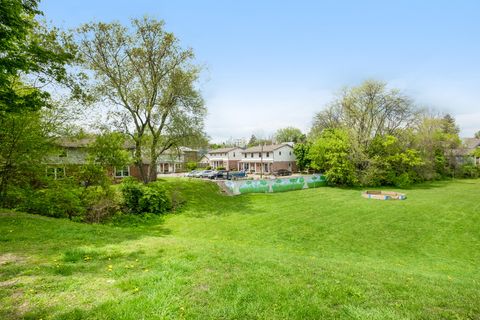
[(148, 80), (366, 112), (289, 134)]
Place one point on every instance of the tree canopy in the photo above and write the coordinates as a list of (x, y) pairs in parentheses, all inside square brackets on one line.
[(148, 80), (289, 134), (372, 135), (32, 57)]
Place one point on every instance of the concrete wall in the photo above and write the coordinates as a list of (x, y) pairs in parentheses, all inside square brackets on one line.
[(275, 185)]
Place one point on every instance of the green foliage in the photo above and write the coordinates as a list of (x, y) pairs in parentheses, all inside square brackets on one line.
[(220, 168), (91, 174), (390, 163), (391, 141), (252, 141), (154, 199), (59, 200), (29, 48), (100, 203), (191, 166), (24, 143), (469, 170), (476, 152), (150, 198), (331, 154), (108, 150), (132, 192), (289, 134), (301, 151)]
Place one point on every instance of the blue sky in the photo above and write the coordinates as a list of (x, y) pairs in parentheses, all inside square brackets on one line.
[(271, 64)]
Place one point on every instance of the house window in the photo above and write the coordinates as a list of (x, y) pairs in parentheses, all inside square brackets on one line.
[(56, 172), (122, 172), (268, 154), (279, 153), (290, 153), (251, 155), (259, 155), (245, 155)]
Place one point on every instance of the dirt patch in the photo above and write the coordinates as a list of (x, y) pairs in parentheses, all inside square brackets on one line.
[(8, 283), (9, 258)]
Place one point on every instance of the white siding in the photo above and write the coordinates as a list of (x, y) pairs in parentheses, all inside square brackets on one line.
[(284, 153)]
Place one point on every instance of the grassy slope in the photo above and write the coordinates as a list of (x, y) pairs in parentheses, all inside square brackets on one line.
[(318, 253)]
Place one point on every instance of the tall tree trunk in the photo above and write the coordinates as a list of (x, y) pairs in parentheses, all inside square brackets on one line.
[(139, 161), (153, 160)]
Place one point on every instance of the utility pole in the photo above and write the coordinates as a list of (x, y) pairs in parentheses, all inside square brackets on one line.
[(261, 161)]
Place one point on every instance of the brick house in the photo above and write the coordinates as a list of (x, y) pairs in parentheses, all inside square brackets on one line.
[(268, 158), (73, 153), (227, 158), (175, 160)]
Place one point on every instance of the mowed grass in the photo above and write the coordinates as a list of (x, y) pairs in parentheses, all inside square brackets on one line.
[(311, 254)]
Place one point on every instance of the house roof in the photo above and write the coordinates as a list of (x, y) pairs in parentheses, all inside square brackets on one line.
[(266, 148), (471, 143), (223, 150), (205, 157), (74, 143), (85, 142)]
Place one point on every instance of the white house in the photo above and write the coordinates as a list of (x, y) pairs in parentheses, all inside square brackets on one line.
[(268, 158), (227, 158)]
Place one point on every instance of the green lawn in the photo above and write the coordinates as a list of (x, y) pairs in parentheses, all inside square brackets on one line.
[(317, 253)]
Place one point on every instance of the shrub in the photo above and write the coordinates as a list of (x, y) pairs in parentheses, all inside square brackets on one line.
[(220, 168), (91, 174), (60, 200), (191, 166), (331, 153), (132, 192), (151, 198), (100, 204), (154, 199), (469, 170)]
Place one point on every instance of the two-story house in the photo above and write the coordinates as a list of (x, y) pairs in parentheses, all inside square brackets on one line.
[(175, 160), (73, 153), (268, 158), (227, 158)]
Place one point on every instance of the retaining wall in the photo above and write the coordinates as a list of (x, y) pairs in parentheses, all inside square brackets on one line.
[(275, 185)]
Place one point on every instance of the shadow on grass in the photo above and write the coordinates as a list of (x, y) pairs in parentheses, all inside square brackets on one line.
[(201, 198)]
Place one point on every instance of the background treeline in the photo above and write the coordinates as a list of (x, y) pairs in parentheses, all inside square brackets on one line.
[(372, 135)]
